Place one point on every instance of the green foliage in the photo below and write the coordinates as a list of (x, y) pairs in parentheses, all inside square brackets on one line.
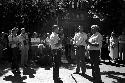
[(35, 14)]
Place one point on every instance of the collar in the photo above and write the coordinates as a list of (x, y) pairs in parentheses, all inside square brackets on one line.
[(54, 33)]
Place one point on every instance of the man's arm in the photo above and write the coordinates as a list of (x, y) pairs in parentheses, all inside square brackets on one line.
[(96, 45)]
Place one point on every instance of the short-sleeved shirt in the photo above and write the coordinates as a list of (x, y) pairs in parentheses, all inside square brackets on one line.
[(23, 37), (80, 38), (54, 38), (14, 39), (95, 39)]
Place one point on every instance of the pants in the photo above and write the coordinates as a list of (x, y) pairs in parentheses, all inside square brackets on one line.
[(122, 51), (24, 55), (9, 53), (68, 52), (80, 59), (15, 58), (94, 58), (56, 63)]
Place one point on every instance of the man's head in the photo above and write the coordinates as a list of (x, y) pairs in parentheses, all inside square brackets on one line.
[(35, 34), (10, 31), (22, 30), (94, 28), (112, 34), (14, 31), (55, 28), (47, 34), (17, 29)]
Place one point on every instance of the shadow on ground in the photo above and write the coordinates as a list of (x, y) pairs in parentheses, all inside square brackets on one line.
[(115, 75), (87, 77), (4, 67), (15, 79), (117, 64), (29, 71)]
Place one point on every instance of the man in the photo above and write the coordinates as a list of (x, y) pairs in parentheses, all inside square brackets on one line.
[(24, 47), (122, 46), (14, 45), (79, 41), (56, 45), (94, 47)]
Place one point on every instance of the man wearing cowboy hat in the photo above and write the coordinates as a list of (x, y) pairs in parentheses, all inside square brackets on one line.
[(94, 46)]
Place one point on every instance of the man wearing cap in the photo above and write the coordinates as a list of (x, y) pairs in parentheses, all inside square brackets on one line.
[(94, 47), (56, 45), (122, 46), (14, 45), (24, 47), (79, 41)]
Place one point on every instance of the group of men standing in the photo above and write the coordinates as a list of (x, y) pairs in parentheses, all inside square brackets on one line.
[(18, 45), (82, 42)]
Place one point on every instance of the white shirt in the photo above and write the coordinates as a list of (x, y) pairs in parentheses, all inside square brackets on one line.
[(79, 39), (54, 38), (15, 39), (23, 37), (95, 39)]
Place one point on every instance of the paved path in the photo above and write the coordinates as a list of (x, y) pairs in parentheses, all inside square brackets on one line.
[(109, 74)]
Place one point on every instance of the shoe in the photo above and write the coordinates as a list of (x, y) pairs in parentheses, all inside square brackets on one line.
[(58, 80), (83, 74)]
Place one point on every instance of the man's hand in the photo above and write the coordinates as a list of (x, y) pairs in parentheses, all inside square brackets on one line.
[(96, 45)]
